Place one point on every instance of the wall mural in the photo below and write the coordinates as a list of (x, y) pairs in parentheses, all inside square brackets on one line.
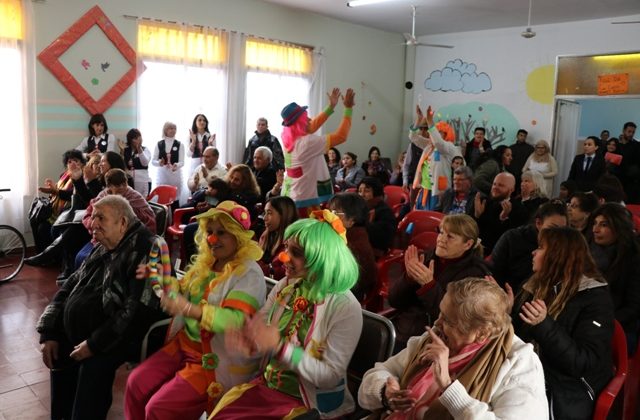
[(458, 76), (540, 84), (500, 124)]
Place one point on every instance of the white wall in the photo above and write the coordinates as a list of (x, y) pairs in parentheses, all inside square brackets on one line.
[(354, 54), (509, 60)]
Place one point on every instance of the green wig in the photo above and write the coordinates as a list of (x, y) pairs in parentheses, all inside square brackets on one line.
[(329, 262)]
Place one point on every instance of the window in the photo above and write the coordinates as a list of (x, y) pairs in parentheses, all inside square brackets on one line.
[(185, 75), (14, 171), (276, 75)]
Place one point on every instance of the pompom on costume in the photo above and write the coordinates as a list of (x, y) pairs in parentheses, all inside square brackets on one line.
[(319, 323), (433, 174), (307, 180), (189, 374)]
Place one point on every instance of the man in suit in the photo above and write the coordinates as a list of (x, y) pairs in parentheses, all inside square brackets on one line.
[(587, 168)]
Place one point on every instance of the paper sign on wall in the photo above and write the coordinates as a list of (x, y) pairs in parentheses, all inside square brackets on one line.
[(613, 84)]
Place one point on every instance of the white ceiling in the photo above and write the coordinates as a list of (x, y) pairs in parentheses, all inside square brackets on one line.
[(450, 16)]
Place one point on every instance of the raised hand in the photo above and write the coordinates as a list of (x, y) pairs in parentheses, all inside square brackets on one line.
[(265, 337), (478, 205), (416, 269), (348, 98), (430, 116), (334, 97), (506, 209), (419, 112), (438, 353)]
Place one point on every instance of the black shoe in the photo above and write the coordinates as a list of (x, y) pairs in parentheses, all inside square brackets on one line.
[(39, 260)]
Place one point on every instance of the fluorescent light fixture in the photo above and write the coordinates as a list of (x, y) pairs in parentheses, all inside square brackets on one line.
[(630, 56), (356, 3)]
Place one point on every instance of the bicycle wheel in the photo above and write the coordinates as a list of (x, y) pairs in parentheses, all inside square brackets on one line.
[(12, 252)]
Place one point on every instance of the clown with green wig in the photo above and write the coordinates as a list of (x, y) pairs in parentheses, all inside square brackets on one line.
[(306, 333), (433, 173), (222, 288)]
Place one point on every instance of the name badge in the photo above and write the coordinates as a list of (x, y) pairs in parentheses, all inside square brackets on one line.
[(103, 142), (174, 148)]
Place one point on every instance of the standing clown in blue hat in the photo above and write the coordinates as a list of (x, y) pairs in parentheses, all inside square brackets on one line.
[(307, 180)]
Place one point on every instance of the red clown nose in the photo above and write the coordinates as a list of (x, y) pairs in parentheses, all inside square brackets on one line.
[(284, 257), (212, 239)]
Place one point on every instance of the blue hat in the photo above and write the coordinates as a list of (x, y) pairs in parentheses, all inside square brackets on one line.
[(291, 112)]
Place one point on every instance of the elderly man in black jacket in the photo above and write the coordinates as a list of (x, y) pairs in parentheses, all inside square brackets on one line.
[(459, 199), (96, 321), (263, 137)]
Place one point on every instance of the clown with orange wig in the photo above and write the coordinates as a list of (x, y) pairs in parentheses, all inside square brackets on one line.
[(307, 180), (433, 174)]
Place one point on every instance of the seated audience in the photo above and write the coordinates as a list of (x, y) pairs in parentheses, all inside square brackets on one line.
[(222, 289), (334, 162), (478, 149), (532, 192), (512, 256), (375, 167), (264, 138), (542, 161), (565, 308), (498, 213), (209, 168), (279, 213), (396, 173), (264, 171), (97, 320), (567, 190), (609, 189), (587, 167), (217, 191), (580, 208), (459, 199), (350, 175), (306, 332), (470, 365), (498, 162), (417, 296), (616, 251), (353, 212), (381, 224), (244, 188), (59, 195)]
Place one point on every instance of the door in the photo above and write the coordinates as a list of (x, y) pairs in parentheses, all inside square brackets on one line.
[(565, 138)]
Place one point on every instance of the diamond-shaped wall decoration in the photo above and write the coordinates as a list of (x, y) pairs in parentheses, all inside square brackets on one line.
[(50, 58)]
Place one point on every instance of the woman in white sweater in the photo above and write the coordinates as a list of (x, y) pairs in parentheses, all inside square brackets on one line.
[(542, 161), (469, 366)]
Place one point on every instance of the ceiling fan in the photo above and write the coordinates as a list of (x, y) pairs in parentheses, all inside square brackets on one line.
[(528, 33), (410, 39), (625, 22)]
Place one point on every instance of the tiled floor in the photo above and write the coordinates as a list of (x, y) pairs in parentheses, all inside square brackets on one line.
[(24, 380)]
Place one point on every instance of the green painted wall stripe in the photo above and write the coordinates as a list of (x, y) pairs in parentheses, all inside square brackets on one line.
[(73, 110)]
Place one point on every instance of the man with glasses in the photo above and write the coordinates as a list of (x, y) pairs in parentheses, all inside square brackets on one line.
[(459, 199)]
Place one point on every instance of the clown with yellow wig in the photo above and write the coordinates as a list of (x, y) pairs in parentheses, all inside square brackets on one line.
[(306, 332), (433, 173), (307, 180), (222, 288)]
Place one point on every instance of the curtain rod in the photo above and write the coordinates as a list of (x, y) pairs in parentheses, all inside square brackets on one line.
[(295, 44)]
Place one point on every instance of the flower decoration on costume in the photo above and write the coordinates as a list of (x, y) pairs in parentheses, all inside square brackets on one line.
[(210, 361), (333, 220), (214, 390), (300, 304)]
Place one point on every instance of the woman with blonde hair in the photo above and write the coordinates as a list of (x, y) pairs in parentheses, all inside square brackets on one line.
[(533, 191), (458, 254), (566, 309), (469, 365), (221, 289), (168, 157), (542, 161)]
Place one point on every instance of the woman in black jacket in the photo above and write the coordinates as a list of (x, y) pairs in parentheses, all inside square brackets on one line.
[(381, 225), (566, 310), (616, 252), (417, 296)]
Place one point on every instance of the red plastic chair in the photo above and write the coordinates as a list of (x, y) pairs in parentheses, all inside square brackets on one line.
[(390, 266), (424, 240), (396, 198), (163, 194), (608, 395), (175, 231), (632, 387), (421, 221)]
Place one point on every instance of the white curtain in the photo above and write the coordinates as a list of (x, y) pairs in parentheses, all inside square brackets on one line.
[(565, 140), (233, 148), (18, 170), (317, 93)]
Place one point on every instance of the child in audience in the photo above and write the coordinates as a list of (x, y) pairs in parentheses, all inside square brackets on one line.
[(566, 310), (279, 213), (306, 332)]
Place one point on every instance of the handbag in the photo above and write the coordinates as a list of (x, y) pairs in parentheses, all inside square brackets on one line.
[(40, 210), (73, 214)]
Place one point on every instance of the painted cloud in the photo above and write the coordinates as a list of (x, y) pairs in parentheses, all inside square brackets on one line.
[(456, 76)]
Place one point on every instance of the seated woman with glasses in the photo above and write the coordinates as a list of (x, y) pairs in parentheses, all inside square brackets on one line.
[(417, 296), (470, 365)]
